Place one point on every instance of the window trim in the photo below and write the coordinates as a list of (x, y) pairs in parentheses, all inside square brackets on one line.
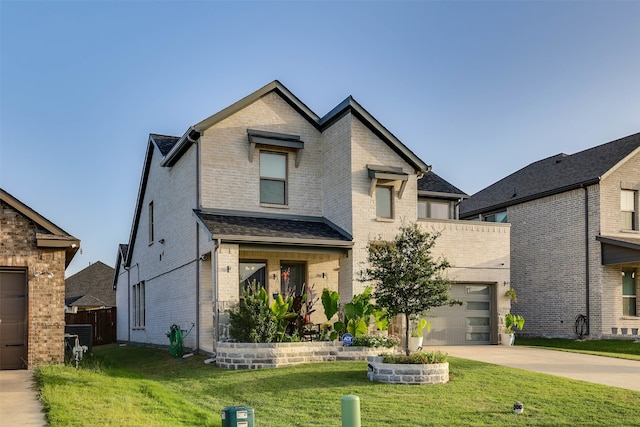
[(633, 212), (139, 305), (285, 180), (151, 223), (633, 296), (391, 216)]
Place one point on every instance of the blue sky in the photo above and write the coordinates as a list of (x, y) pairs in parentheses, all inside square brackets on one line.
[(478, 89)]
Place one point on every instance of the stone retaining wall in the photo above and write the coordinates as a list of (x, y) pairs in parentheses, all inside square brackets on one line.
[(231, 355), (400, 373)]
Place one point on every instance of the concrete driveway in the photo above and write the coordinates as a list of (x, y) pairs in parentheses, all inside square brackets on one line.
[(19, 404), (595, 369)]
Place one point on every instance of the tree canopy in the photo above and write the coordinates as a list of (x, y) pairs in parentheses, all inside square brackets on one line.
[(408, 279)]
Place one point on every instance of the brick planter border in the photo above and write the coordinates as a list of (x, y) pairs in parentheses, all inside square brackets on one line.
[(401, 373), (231, 355)]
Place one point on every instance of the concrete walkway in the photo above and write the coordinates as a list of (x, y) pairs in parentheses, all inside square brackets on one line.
[(19, 404), (595, 369)]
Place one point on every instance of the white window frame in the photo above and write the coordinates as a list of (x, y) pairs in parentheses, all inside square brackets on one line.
[(139, 305), (625, 209), (627, 297), (390, 189), (151, 225), (284, 180)]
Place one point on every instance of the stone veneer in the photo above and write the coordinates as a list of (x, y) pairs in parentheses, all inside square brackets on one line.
[(402, 373), (232, 355)]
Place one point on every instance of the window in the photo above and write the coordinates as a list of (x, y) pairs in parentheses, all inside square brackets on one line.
[(150, 222), (139, 309), (292, 278), (437, 209), (273, 178), (629, 295), (628, 210), (384, 202), (496, 217), (251, 271)]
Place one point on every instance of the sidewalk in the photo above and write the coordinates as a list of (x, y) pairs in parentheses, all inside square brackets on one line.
[(595, 369), (19, 404)]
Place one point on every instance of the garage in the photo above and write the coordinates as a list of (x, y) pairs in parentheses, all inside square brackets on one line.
[(473, 322), (13, 319)]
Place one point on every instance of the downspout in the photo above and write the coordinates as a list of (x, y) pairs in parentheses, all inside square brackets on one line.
[(197, 238), (214, 266), (586, 255)]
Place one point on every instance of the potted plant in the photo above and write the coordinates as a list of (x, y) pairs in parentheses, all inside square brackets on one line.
[(416, 338), (507, 337)]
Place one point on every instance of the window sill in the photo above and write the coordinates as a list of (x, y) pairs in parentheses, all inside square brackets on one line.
[(271, 205), (630, 231), (630, 318), (379, 219), (139, 328)]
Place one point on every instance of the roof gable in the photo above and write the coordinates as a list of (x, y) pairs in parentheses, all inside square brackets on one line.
[(48, 234), (553, 175), (432, 184)]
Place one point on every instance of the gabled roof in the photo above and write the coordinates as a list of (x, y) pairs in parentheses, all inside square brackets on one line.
[(430, 184), (349, 105), (256, 228), (164, 142), (553, 175), (91, 286), (123, 249), (48, 235)]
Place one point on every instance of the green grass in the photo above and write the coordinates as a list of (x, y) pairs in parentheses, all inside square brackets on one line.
[(623, 349), (141, 386)]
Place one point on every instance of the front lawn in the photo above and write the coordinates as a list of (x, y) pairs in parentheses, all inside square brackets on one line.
[(142, 386), (623, 349)]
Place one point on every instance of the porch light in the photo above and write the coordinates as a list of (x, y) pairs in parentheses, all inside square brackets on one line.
[(40, 273)]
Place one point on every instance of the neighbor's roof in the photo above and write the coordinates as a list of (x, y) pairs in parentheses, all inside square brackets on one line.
[(553, 175), (48, 235), (250, 227), (430, 184), (91, 286)]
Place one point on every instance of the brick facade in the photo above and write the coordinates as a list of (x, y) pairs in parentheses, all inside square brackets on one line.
[(45, 300)]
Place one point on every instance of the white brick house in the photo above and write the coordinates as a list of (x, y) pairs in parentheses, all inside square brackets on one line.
[(575, 242), (266, 189)]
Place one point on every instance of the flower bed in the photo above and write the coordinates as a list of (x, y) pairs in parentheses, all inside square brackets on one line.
[(404, 373), (232, 355)]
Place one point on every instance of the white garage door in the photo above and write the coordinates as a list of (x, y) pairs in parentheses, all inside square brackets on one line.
[(466, 324)]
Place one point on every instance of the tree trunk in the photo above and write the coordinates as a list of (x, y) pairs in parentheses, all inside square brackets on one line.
[(406, 334)]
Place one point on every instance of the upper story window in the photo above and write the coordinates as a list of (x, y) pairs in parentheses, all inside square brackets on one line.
[(273, 178), (151, 231), (496, 217), (629, 293), (437, 209), (384, 202), (628, 218)]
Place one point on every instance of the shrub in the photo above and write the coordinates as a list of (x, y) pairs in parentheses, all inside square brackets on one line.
[(375, 341), (416, 358), (253, 320)]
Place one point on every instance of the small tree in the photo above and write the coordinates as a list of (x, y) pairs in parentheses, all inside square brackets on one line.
[(408, 279)]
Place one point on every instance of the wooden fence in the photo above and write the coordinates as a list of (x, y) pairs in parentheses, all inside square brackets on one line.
[(103, 321)]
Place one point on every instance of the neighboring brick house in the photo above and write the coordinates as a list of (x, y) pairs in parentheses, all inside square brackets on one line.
[(267, 190), (90, 289), (34, 254), (575, 242)]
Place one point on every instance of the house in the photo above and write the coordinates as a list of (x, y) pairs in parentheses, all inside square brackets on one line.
[(34, 253), (90, 289), (575, 242), (267, 190)]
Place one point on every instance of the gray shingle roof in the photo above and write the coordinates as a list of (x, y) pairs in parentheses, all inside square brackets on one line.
[(246, 227), (93, 284), (164, 142), (552, 175), (431, 182)]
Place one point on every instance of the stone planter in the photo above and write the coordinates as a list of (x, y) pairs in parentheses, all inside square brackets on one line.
[(400, 373), (230, 355)]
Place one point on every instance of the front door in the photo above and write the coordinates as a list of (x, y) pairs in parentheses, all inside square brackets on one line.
[(13, 319)]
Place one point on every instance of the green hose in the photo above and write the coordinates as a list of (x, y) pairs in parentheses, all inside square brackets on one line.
[(176, 345)]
